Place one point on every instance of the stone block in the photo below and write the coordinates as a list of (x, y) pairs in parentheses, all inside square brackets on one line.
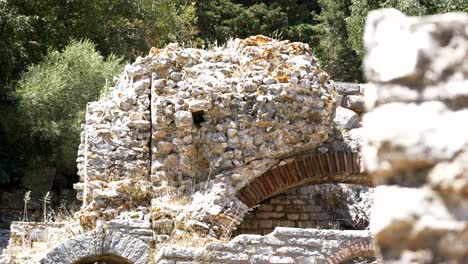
[(265, 208), (345, 88), (281, 260), (265, 224), (345, 118), (269, 215), (280, 201), (227, 256), (290, 251), (292, 216), (355, 103)]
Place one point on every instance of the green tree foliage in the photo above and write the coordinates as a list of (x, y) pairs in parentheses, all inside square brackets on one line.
[(222, 19), (29, 28), (18, 46), (54, 93), (164, 21), (332, 49), (320, 23), (355, 23), (126, 28), (53, 96)]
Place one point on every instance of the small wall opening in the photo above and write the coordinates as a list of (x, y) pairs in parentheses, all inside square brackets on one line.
[(198, 117), (103, 259)]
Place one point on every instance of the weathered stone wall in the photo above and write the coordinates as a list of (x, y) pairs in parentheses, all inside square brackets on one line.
[(165, 156), (284, 245), (31, 244), (140, 229), (199, 124), (345, 133), (325, 206), (223, 117), (114, 154), (350, 96), (416, 135)]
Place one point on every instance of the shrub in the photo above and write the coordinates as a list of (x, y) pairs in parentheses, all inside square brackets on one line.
[(53, 96)]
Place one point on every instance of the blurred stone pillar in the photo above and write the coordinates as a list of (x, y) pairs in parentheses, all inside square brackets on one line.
[(416, 135)]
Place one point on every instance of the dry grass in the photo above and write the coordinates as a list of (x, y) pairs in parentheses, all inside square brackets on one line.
[(65, 212), (183, 238)]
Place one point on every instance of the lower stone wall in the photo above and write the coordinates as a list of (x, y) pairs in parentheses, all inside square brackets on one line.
[(62, 243), (292, 209), (283, 245), (140, 229), (327, 206)]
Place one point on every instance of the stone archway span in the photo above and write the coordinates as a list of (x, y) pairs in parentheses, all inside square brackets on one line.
[(360, 249), (97, 244), (317, 168)]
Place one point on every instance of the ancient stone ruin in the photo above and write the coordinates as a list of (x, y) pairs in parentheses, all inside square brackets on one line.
[(248, 153)]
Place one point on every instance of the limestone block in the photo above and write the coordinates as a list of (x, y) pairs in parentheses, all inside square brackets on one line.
[(412, 136), (430, 49), (355, 103), (348, 88), (183, 118), (346, 118), (415, 135)]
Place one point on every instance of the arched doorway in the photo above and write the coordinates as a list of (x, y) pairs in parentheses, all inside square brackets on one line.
[(100, 246), (353, 254), (274, 202), (316, 168)]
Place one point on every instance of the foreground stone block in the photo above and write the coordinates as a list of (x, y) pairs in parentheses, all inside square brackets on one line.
[(415, 135)]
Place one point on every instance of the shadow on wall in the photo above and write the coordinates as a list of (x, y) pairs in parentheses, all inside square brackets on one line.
[(103, 259), (326, 206)]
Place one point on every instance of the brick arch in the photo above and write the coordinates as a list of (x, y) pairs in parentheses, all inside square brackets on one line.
[(356, 250), (317, 168), (100, 245)]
